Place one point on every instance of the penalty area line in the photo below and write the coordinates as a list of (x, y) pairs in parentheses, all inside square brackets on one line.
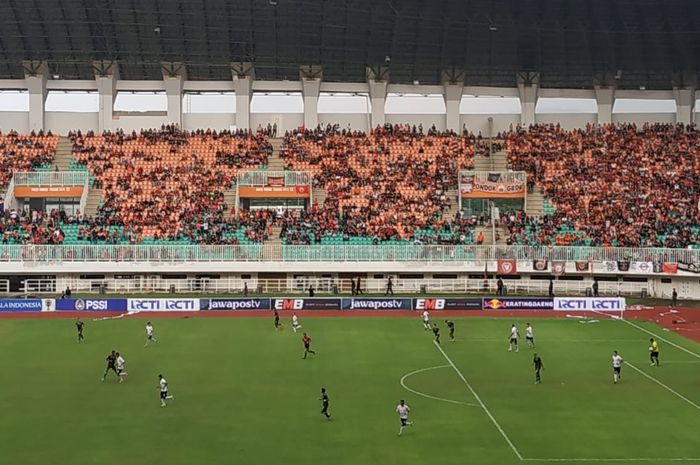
[(481, 402), (669, 389)]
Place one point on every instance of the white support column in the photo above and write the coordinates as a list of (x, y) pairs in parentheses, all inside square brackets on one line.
[(106, 77), (528, 88), (35, 75), (310, 89), (243, 86), (173, 92), (453, 97), (605, 98), (685, 104), (377, 95)]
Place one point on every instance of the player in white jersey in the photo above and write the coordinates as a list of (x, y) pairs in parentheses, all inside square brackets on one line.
[(295, 322), (403, 410), (163, 386), (121, 368), (529, 336), (426, 320), (513, 339), (617, 366), (149, 334)]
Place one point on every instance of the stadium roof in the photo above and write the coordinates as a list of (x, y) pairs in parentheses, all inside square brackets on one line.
[(571, 43)]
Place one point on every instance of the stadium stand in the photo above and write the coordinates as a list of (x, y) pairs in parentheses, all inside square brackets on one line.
[(610, 185), (25, 152), (168, 184), (390, 186)]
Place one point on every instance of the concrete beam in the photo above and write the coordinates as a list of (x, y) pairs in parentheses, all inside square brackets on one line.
[(605, 98), (35, 78)]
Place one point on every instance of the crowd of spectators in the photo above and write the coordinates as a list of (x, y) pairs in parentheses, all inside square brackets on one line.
[(35, 227), (24, 152), (390, 184), (616, 185), (167, 183)]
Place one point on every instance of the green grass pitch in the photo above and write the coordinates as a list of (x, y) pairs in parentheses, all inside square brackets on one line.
[(244, 395)]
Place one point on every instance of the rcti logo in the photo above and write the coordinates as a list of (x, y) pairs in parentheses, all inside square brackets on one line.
[(494, 303)]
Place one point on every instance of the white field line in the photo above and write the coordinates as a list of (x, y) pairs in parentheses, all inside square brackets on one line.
[(622, 459), (481, 402), (671, 390), (428, 396)]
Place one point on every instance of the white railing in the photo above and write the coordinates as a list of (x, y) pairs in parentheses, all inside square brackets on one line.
[(50, 178), (266, 178), (84, 195), (331, 286), (334, 253)]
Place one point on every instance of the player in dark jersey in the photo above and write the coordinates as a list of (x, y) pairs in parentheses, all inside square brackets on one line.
[(277, 321), (79, 326), (324, 404), (436, 332), (111, 365), (307, 345), (451, 328), (537, 363)]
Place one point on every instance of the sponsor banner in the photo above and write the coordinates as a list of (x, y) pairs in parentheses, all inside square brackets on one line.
[(48, 191), (163, 305), (507, 266), (589, 303), (377, 304), (92, 305), (558, 268), (476, 189), (306, 304), (21, 305), (518, 303), (235, 304), (300, 191), (539, 265), (447, 304)]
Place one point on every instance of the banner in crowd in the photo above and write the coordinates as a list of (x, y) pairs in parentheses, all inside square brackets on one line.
[(493, 188), (92, 305), (507, 266), (163, 305), (306, 304), (275, 181), (642, 267), (669, 268), (447, 304), (589, 303), (623, 265), (689, 267), (40, 192), (558, 268), (273, 192), (22, 305), (235, 304), (539, 265), (518, 303), (583, 266), (376, 304)]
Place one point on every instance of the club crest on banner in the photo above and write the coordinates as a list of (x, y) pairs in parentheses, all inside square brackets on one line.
[(507, 266), (558, 268)]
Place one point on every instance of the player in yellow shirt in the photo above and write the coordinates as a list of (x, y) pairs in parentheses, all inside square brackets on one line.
[(654, 352)]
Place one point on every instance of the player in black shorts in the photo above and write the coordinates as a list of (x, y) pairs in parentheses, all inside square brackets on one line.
[(436, 332), (111, 365), (451, 328), (324, 404), (537, 363), (277, 321), (79, 326)]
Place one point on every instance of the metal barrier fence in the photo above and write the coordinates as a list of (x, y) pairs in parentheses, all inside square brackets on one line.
[(331, 286), (50, 178), (342, 253)]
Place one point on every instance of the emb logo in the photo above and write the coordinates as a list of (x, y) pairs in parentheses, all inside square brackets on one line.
[(430, 304), (289, 304)]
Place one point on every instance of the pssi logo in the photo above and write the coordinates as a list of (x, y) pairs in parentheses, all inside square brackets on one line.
[(494, 303), (289, 304), (430, 304)]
